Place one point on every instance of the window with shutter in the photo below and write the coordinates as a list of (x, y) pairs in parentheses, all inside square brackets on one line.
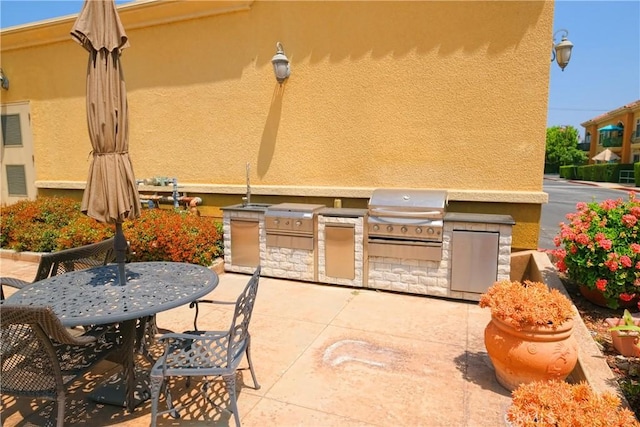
[(16, 180), (11, 131)]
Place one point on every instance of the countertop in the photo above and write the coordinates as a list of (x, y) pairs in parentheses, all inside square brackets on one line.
[(479, 217), (253, 207), (343, 212)]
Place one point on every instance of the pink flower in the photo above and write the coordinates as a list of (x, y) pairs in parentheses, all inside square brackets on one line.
[(635, 248), (611, 264), (626, 261), (582, 238), (626, 297), (601, 284), (562, 267), (635, 211), (609, 204), (638, 265), (629, 220), (605, 244), (599, 236), (581, 206)]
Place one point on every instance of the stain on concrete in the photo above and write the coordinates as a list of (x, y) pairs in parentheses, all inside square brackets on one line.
[(349, 351)]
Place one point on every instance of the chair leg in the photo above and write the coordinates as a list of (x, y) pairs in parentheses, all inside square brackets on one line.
[(256, 386), (60, 402), (230, 381), (156, 385)]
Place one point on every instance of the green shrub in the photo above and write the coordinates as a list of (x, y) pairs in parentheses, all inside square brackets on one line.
[(568, 172), (48, 224), (169, 235), (605, 172)]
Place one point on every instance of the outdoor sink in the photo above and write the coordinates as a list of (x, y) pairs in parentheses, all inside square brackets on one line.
[(248, 207)]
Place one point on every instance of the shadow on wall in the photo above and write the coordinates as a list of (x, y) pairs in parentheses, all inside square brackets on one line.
[(224, 47), (270, 132), (229, 45)]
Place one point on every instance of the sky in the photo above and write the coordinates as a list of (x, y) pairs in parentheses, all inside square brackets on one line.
[(603, 74)]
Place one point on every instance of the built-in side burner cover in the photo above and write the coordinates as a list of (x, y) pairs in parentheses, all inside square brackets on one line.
[(291, 210)]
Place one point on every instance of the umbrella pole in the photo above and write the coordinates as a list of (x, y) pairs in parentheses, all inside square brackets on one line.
[(120, 246)]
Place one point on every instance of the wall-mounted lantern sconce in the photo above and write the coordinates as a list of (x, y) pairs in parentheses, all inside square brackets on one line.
[(280, 64), (4, 81), (561, 52)]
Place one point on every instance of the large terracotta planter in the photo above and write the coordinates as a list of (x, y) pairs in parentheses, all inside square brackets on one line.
[(596, 297), (530, 354)]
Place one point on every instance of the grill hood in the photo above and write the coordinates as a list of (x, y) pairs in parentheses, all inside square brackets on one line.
[(415, 203)]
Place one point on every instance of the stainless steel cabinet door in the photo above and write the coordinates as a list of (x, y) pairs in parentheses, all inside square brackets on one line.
[(340, 251), (245, 243), (474, 260)]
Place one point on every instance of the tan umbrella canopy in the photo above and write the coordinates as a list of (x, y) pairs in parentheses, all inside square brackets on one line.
[(111, 194), (606, 156)]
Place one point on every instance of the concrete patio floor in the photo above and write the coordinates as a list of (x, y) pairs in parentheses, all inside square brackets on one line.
[(324, 355)]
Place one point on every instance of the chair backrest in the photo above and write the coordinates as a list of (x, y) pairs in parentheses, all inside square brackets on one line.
[(239, 331), (93, 255), (30, 364)]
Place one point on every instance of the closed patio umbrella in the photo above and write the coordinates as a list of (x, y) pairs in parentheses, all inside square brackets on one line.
[(606, 156), (111, 195)]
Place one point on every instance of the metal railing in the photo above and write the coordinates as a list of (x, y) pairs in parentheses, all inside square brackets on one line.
[(613, 141)]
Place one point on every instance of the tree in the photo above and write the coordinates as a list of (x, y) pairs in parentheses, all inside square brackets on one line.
[(562, 146)]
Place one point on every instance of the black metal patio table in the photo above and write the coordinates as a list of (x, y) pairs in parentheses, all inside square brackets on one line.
[(95, 297)]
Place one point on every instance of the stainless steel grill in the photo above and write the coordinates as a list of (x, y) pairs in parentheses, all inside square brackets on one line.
[(406, 223)]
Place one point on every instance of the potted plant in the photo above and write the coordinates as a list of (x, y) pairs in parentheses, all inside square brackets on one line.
[(529, 336), (599, 249), (557, 403), (625, 333)]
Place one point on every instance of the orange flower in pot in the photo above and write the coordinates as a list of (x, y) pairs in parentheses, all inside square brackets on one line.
[(529, 337), (557, 403)]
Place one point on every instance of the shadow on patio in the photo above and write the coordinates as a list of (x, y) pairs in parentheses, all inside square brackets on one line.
[(326, 355)]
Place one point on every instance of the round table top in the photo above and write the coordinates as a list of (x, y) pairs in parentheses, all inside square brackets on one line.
[(94, 296)]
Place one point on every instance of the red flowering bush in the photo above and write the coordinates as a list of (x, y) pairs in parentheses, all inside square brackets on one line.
[(47, 224), (168, 235), (600, 248)]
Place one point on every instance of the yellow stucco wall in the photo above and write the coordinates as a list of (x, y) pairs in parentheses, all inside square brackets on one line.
[(382, 94)]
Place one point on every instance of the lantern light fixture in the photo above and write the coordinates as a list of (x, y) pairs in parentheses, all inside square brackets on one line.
[(4, 80), (280, 64), (561, 51)]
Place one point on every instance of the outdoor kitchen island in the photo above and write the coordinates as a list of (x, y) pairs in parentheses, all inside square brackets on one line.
[(450, 254)]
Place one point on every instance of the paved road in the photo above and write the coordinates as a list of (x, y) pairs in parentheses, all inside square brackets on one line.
[(563, 197)]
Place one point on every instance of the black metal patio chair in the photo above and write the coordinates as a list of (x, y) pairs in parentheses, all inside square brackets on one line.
[(55, 263), (40, 357), (207, 354)]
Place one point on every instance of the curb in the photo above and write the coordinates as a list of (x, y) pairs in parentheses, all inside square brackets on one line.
[(26, 256), (20, 256)]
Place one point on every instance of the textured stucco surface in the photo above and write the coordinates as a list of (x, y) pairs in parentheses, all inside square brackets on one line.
[(382, 94)]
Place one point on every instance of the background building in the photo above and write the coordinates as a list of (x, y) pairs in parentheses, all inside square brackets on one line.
[(618, 130)]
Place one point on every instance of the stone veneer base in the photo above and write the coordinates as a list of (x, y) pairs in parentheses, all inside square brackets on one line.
[(433, 277)]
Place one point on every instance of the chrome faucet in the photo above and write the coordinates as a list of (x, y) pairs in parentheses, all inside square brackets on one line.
[(246, 200)]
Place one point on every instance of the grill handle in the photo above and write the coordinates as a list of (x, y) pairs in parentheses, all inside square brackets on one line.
[(391, 212)]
